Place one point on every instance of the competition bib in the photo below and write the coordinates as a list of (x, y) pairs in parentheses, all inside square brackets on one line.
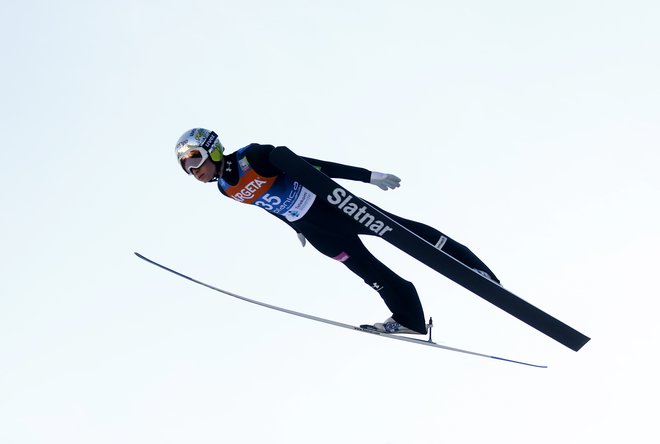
[(279, 194)]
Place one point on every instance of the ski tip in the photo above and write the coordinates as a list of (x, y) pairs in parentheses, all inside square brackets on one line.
[(144, 258)]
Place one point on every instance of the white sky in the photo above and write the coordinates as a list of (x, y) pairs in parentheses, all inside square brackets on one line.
[(526, 130)]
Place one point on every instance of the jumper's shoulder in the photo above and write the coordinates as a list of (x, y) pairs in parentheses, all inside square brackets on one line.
[(258, 156)]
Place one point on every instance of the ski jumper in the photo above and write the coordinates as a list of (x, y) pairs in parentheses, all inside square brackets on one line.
[(249, 177)]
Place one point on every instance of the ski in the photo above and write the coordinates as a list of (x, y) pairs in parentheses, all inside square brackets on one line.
[(428, 342), (367, 215)]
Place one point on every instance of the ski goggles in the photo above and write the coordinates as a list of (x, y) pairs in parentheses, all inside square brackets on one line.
[(193, 159)]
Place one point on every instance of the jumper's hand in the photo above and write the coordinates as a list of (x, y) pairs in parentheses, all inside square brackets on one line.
[(302, 239), (385, 181)]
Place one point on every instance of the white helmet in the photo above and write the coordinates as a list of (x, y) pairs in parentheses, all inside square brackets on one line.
[(197, 145)]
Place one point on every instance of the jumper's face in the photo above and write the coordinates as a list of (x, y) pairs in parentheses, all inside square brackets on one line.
[(205, 172)]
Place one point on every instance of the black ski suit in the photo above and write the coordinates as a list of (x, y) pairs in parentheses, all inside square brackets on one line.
[(337, 236)]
